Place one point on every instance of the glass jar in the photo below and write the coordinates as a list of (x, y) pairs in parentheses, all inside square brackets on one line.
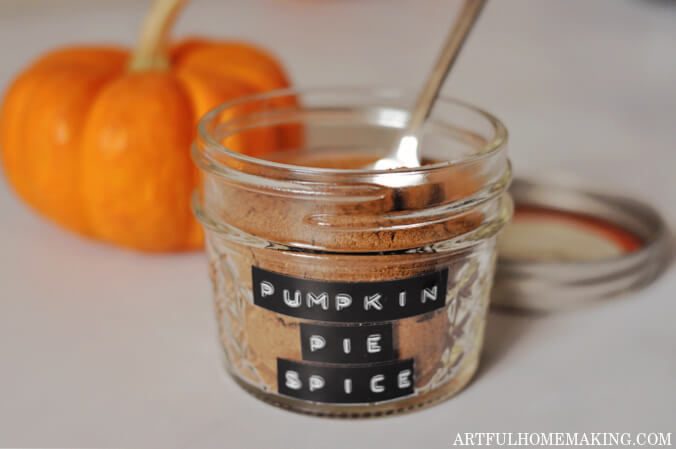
[(339, 290)]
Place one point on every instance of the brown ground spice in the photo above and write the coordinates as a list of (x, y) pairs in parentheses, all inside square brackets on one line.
[(255, 337)]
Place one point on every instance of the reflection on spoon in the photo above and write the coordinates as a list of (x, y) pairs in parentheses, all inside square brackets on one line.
[(406, 152)]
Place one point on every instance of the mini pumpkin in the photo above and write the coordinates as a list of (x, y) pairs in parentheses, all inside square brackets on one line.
[(98, 139)]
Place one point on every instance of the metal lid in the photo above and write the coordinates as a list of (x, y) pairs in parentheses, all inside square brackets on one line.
[(567, 245)]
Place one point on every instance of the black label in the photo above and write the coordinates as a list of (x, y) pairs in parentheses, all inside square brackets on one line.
[(345, 384), (349, 302), (346, 344)]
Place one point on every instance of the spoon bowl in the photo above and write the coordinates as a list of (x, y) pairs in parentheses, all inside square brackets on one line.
[(406, 151)]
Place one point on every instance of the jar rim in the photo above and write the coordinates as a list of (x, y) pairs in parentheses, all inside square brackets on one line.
[(494, 145)]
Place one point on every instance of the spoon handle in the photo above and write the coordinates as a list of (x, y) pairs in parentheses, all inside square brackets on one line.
[(463, 24)]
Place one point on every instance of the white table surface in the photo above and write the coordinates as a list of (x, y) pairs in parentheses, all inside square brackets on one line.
[(107, 348)]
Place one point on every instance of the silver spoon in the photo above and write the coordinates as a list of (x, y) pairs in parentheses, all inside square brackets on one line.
[(406, 152)]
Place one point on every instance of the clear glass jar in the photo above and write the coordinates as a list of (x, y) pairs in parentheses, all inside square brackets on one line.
[(342, 291)]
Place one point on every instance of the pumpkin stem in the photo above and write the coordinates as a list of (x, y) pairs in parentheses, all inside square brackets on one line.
[(152, 51)]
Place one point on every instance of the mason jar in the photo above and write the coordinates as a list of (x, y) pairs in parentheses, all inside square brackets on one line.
[(341, 290)]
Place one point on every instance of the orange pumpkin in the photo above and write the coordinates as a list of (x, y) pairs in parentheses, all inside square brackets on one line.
[(98, 139)]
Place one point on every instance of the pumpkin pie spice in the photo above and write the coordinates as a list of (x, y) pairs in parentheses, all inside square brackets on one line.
[(341, 291), (255, 338)]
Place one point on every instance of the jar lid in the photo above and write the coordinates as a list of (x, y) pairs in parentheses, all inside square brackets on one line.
[(567, 245)]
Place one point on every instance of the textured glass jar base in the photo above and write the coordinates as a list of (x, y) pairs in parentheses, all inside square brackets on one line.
[(442, 345), (394, 407)]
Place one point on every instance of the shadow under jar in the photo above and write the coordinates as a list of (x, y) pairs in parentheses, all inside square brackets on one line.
[(342, 291)]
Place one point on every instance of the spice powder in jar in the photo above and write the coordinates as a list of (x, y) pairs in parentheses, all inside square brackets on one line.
[(342, 291)]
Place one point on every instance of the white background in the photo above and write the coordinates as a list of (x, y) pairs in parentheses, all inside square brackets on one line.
[(107, 348)]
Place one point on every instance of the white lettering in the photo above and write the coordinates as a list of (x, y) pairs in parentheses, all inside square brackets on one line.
[(428, 293), (404, 379), (267, 289), (373, 301), (348, 386), (317, 342), (322, 299), (375, 383), (346, 345), (372, 345), (343, 301), (297, 298), (293, 380), (402, 298), (316, 382)]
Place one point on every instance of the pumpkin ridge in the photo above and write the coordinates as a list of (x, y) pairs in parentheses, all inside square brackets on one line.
[(102, 145), (136, 162), (42, 164)]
